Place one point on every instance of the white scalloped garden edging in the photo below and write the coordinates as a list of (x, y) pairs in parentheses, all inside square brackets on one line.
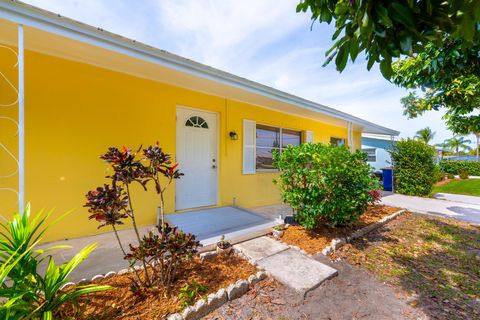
[(203, 306), (340, 242)]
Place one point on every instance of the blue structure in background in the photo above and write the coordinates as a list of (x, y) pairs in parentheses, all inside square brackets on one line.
[(462, 158), (387, 179), (377, 149)]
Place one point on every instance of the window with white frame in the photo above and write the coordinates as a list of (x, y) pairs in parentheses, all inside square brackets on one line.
[(337, 141), (371, 154), (272, 138)]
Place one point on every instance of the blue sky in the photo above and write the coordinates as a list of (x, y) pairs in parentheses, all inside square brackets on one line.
[(265, 41)]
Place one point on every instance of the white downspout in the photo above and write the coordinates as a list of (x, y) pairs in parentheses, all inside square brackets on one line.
[(350, 135), (21, 121), (392, 138)]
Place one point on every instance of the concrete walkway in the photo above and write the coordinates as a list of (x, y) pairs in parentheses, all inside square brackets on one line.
[(457, 198), (288, 266), (450, 209)]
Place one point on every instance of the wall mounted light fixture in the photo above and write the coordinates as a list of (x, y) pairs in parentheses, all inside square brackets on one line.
[(233, 135)]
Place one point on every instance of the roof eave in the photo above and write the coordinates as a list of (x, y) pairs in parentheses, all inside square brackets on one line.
[(38, 18)]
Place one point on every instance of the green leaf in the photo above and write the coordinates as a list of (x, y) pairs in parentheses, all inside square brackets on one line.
[(406, 43), (371, 61), (353, 47), (342, 57), (402, 14), (386, 68), (382, 13)]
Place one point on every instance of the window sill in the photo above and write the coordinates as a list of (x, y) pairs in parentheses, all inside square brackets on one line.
[(266, 171)]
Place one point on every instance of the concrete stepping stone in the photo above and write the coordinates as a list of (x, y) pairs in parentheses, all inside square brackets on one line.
[(297, 270), (260, 248)]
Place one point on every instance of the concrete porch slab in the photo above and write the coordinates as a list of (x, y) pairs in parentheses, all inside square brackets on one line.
[(297, 270), (212, 222), (260, 248)]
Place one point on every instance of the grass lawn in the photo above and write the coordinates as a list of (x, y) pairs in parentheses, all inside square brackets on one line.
[(469, 187), (436, 261)]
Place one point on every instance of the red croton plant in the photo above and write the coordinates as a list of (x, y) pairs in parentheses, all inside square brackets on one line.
[(160, 254)]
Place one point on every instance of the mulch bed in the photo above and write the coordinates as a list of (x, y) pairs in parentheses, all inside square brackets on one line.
[(313, 241), (445, 181), (122, 303), (434, 260)]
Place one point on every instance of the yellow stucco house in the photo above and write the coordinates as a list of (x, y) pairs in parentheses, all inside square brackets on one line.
[(68, 91)]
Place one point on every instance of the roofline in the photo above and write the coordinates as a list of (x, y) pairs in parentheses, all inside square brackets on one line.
[(29, 15), (378, 138)]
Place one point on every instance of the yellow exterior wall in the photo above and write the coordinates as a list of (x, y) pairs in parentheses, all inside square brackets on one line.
[(74, 112)]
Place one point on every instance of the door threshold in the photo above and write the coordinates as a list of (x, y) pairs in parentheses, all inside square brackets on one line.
[(197, 208)]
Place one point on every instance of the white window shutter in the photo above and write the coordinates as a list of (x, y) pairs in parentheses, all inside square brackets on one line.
[(249, 135), (308, 136)]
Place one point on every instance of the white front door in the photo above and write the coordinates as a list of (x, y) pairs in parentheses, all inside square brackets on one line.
[(197, 159)]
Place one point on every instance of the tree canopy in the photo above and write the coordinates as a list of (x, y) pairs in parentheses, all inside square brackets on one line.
[(458, 143), (447, 76), (385, 29), (425, 135)]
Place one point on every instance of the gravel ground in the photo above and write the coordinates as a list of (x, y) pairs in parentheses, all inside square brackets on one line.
[(353, 294)]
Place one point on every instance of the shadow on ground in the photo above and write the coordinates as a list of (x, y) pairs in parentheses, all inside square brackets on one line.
[(353, 294), (436, 261)]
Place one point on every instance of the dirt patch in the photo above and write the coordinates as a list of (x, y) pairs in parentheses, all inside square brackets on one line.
[(313, 241), (434, 260), (353, 294), (122, 303)]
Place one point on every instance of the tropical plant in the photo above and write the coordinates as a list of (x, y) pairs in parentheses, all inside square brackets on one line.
[(111, 204), (458, 143), (386, 29), (325, 183), (425, 135), (190, 291), (31, 294), (164, 253), (415, 169)]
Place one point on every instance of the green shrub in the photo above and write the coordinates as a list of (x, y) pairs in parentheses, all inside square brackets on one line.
[(324, 183), (454, 166), (439, 175), (29, 293), (415, 169), (463, 174), (450, 176)]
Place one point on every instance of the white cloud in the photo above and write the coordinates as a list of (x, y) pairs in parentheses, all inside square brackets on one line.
[(266, 41), (226, 33)]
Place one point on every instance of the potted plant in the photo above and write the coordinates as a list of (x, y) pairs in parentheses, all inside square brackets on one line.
[(278, 231), (223, 246)]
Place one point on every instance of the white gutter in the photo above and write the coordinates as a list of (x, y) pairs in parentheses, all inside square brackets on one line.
[(44, 20)]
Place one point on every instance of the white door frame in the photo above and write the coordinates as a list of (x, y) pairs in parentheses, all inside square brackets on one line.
[(217, 151)]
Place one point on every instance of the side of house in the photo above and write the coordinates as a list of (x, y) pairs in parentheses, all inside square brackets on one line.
[(377, 148), (87, 90)]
